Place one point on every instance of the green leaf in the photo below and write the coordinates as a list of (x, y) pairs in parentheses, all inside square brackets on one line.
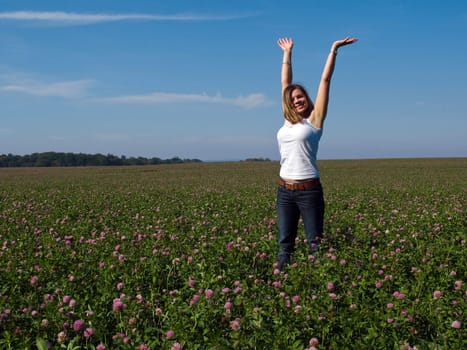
[(41, 344)]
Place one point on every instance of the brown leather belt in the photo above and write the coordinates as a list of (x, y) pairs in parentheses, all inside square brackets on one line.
[(300, 186)]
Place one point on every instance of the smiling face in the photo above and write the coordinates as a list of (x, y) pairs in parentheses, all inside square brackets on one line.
[(296, 103), (299, 101)]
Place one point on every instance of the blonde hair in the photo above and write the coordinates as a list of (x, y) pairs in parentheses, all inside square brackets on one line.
[(288, 109)]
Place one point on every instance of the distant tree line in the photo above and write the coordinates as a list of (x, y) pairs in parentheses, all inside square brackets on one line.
[(60, 159), (257, 160)]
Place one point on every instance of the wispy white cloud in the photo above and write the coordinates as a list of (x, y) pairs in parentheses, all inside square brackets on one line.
[(72, 18), (252, 100), (66, 89), (4, 131), (79, 89), (249, 101)]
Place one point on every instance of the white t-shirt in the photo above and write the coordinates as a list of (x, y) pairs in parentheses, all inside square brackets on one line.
[(298, 147)]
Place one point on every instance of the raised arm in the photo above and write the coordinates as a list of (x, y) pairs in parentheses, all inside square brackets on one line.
[(319, 112), (286, 45)]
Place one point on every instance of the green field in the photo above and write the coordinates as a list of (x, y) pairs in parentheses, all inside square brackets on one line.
[(182, 256)]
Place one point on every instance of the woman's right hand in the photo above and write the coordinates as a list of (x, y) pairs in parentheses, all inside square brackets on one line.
[(285, 44)]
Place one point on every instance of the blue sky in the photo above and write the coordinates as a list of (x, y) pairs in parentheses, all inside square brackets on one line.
[(201, 79)]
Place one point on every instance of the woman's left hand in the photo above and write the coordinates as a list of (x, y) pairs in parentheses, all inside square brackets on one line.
[(343, 42)]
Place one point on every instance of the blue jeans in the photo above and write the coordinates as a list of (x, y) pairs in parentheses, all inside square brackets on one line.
[(309, 204)]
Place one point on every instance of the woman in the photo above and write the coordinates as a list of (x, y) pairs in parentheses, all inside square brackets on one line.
[(299, 192)]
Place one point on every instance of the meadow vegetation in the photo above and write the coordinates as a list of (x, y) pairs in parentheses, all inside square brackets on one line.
[(182, 257)]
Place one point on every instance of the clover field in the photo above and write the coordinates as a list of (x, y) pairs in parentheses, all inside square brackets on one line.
[(182, 257)]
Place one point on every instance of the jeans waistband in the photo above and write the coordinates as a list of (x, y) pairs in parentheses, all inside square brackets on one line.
[(300, 186)]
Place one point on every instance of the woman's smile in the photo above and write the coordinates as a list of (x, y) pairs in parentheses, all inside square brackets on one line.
[(299, 106)]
